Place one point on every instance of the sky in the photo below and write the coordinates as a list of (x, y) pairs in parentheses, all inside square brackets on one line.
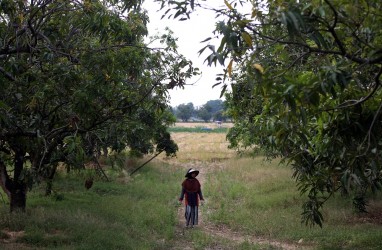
[(190, 33)]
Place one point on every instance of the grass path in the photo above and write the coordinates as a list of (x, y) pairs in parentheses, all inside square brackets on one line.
[(225, 232), (211, 152), (219, 231)]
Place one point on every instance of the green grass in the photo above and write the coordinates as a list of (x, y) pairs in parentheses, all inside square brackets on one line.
[(197, 130), (139, 214), (247, 195), (111, 215), (260, 198), (197, 239)]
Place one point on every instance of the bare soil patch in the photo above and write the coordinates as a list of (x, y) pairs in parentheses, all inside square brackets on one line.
[(8, 240), (372, 216)]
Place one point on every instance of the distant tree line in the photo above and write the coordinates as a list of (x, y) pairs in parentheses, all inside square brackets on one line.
[(213, 110)]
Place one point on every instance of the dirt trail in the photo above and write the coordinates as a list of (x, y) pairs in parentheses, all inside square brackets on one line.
[(223, 231)]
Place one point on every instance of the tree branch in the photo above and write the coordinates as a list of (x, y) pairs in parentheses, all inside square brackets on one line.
[(368, 137), (7, 74), (141, 166), (292, 64), (363, 99), (333, 26), (16, 134)]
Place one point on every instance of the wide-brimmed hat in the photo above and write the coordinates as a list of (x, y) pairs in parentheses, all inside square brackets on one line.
[(190, 171)]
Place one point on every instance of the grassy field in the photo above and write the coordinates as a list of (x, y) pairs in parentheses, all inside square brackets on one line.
[(133, 214), (200, 127), (250, 204), (259, 198)]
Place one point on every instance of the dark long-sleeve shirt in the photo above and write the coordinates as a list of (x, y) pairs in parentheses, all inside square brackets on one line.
[(191, 191)]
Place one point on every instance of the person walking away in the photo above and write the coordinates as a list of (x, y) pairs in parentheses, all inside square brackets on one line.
[(192, 195)]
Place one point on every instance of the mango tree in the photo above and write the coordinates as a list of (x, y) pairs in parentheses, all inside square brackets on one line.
[(76, 77), (306, 86)]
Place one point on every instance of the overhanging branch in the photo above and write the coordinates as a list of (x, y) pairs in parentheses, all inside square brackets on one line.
[(141, 166), (363, 99), (7, 74)]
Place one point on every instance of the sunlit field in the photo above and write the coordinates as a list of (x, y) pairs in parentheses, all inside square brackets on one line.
[(259, 198), (202, 147)]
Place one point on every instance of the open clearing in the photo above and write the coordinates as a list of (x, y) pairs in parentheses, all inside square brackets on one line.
[(249, 204), (209, 153), (212, 150)]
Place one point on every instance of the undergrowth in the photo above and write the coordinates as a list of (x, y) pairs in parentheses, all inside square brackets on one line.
[(258, 197), (138, 214)]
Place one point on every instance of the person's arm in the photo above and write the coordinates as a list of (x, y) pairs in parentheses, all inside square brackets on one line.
[(181, 197), (200, 194)]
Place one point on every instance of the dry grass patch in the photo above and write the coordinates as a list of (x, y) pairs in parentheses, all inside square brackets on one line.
[(202, 147)]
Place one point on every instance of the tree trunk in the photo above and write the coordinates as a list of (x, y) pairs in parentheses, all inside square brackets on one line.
[(16, 191), (17, 187), (18, 198), (49, 181), (48, 187)]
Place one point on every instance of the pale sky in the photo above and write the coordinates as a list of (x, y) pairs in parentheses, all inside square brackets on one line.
[(190, 33)]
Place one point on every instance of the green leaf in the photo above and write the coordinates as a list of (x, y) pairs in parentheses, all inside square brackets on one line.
[(247, 38), (205, 40), (229, 68), (258, 67), (321, 10), (3, 105), (224, 88), (319, 40), (228, 5)]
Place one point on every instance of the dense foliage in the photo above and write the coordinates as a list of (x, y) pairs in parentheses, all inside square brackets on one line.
[(212, 110), (305, 79), (185, 111), (76, 78)]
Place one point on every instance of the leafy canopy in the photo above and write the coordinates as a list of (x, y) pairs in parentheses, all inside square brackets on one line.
[(76, 77), (305, 79)]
